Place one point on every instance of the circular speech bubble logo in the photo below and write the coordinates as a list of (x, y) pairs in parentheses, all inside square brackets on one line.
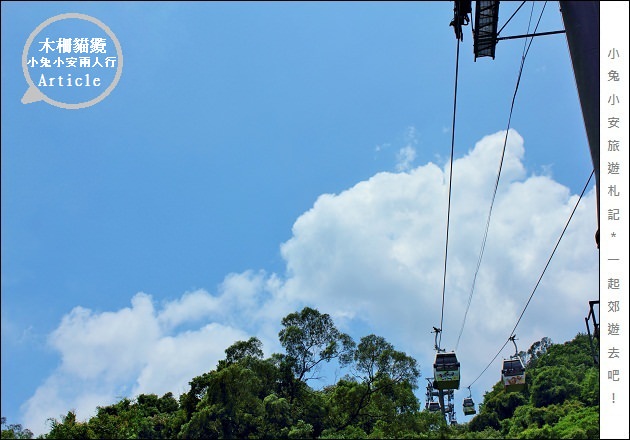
[(34, 94)]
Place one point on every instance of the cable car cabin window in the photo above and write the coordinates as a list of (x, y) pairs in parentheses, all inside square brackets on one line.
[(446, 361), (446, 371), (513, 367)]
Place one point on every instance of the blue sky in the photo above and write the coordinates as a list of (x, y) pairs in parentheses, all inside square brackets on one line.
[(259, 157)]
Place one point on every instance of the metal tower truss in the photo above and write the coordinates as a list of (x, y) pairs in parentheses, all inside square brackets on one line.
[(485, 30), (441, 401)]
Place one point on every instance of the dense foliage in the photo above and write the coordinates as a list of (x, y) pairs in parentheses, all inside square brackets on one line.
[(248, 396)]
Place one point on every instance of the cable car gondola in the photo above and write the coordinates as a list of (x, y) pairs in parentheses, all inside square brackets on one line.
[(434, 406), (446, 371), (469, 405), (513, 374), (513, 371)]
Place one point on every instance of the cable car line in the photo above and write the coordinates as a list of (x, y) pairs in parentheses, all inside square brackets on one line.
[(526, 48), (508, 20), (446, 367), (450, 184), (554, 250), (490, 363), (539, 279)]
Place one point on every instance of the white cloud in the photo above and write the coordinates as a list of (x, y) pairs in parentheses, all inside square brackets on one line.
[(89, 342), (373, 258), (109, 355), (61, 393), (405, 158), (191, 307), (407, 154), (173, 361)]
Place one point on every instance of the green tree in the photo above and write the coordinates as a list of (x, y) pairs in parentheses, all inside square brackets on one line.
[(248, 354), (536, 350), (147, 416), (484, 420), (70, 428), (310, 338), (553, 384), (231, 407), (381, 389), (580, 423), (301, 430), (375, 358), (14, 431), (589, 387), (574, 353), (204, 424), (252, 348), (189, 400), (277, 418)]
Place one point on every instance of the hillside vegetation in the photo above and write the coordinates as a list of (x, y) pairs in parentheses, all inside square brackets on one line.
[(249, 396)]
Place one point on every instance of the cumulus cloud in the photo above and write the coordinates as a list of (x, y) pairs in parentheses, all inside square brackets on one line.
[(109, 355), (373, 258), (376, 251)]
